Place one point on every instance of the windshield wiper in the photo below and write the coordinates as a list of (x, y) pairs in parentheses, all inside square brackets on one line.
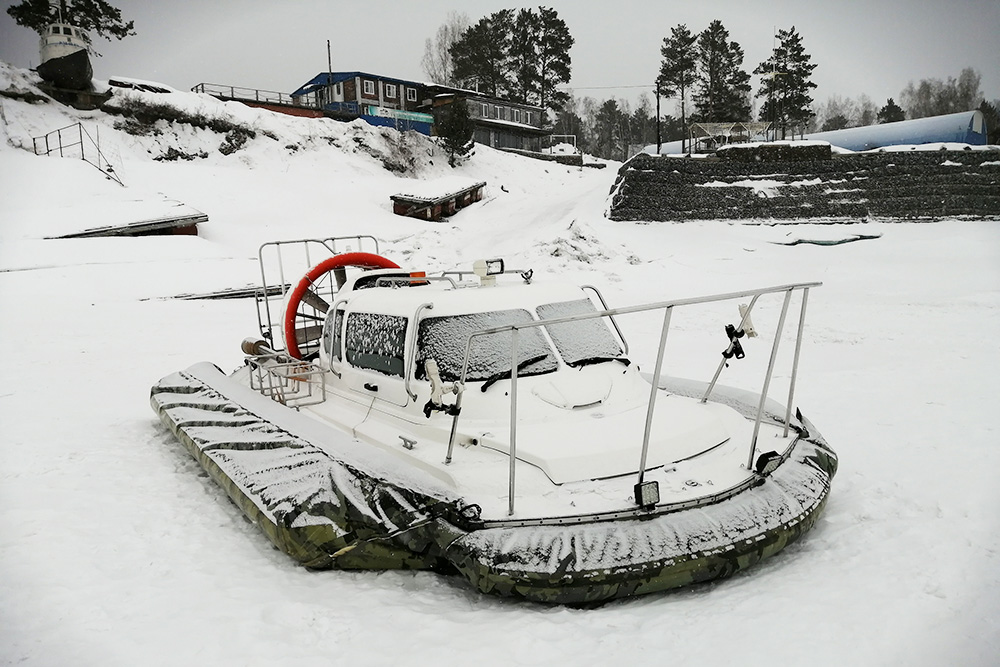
[(588, 361), (503, 375)]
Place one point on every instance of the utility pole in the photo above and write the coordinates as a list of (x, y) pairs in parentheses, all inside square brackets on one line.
[(659, 141)]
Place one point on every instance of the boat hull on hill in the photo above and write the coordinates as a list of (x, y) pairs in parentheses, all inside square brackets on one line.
[(65, 60), (351, 462)]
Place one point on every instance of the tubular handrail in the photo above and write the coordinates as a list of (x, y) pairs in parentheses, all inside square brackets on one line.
[(408, 370), (668, 306), (614, 322)]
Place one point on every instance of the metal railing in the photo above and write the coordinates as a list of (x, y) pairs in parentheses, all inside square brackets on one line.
[(294, 384), (64, 142), (250, 94), (307, 101), (667, 307), (290, 260)]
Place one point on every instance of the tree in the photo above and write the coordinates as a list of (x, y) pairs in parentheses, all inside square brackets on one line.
[(722, 89), (867, 113), (437, 62), (609, 135), (93, 16), (836, 114), (677, 70), (455, 128), (836, 122), (991, 113), (891, 112), (553, 59), (523, 56), (481, 56), (785, 84), (934, 97)]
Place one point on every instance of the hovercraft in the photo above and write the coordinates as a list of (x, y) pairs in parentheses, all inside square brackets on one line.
[(488, 424)]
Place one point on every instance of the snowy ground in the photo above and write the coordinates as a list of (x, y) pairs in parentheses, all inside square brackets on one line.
[(116, 549)]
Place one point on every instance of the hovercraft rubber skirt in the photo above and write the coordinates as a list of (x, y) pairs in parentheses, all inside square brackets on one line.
[(324, 510)]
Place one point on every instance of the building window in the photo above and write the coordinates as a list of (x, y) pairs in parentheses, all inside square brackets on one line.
[(486, 111), (390, 90), (338, 89), (527, 117), (498, 113), (517, 116), (411, 94), (369, 87)]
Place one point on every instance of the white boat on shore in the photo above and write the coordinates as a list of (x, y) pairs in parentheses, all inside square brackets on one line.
[(490, 424)]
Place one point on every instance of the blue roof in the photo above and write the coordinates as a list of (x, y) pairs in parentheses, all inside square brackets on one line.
[(968, 127), (329, 78)]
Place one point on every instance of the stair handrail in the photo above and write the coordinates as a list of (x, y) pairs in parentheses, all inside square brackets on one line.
[(48, 147)]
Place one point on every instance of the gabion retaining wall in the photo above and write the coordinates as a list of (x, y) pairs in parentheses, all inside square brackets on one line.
[(904, 185)]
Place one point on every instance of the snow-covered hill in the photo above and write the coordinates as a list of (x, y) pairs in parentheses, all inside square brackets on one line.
[(115, 549)]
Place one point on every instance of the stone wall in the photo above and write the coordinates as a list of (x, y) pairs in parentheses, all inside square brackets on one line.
[(893, 185)]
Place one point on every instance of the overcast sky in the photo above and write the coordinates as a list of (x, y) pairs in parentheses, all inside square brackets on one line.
[(871, 47)]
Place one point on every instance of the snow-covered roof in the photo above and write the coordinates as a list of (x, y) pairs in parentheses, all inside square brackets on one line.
[(968, 127)]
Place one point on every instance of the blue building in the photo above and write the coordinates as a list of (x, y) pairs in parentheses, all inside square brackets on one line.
[(378, 100), (409, 105)]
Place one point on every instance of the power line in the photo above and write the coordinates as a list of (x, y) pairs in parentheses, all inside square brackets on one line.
[(648, 85)]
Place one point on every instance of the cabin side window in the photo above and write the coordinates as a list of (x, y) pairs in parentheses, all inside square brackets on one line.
[(376, 342), (411, 94), (369, 87), (390, 90)]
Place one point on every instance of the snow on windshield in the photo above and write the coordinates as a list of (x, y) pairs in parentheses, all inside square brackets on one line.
[(444, 339), (376, 342), (583, 339)]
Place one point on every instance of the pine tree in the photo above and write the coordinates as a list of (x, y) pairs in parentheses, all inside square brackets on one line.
[(991, 113), (554, 63), (481, 56), (786, 85), (608, 131), (722, 90), (835, 122), (455, 127), (523, 57), (890, 113), (677, 71), (92, 16)]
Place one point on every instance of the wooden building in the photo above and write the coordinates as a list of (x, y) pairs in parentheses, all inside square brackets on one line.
[(409, 105)]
